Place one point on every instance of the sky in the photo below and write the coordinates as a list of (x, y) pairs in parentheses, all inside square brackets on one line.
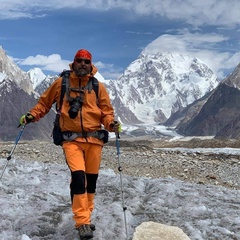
[(34, 207), (47, 35)]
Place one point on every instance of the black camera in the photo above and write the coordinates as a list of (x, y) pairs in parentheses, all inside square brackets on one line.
[(76, 104)]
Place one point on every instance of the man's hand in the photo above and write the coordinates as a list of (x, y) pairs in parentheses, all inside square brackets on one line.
[(116, 126), (26, 118)]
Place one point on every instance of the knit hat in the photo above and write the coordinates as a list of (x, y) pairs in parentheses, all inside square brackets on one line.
[(82, 53)]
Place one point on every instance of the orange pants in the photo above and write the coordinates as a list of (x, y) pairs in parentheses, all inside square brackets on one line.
[(83, 159)]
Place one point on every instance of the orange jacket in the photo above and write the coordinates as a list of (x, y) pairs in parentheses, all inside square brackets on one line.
[(93, 114)]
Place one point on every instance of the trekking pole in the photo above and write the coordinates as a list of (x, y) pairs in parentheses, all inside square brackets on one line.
[(121, 182), (11, 153)]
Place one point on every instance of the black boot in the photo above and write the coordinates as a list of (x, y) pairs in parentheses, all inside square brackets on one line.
[(85, 232), (92, 226)]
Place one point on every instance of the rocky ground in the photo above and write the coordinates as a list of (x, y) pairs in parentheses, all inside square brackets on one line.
[(144, 158)]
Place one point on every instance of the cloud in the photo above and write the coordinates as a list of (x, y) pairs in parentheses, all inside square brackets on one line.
[(206, 47), (101, 65), (198, 13), (111, 75), (108, 71), (52, 62), (139, 33), (16, 9), (205, 12), (232, 60)]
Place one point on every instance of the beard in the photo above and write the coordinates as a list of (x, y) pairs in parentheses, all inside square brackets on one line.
[(80, 72)]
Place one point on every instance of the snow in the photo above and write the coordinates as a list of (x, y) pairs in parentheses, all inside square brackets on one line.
[(153, 130), (2, 76), (177, 79), (35, 204), (36, 76), (100, 77)]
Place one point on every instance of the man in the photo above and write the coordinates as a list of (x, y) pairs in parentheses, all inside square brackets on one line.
[(82, 115)]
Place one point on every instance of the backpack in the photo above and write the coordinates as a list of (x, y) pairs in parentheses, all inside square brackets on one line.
[(92, 84)]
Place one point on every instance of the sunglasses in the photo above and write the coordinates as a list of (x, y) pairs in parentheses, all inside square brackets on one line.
[(80, 60)]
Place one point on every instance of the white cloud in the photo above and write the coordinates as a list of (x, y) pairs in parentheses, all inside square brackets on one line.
[(52, 62), (233, 59), (102, 65), (108, 71), (210, 12), (139, 33), (111, 75), (202, 46), (41, 59)]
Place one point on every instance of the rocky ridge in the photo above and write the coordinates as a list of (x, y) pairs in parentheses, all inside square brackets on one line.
[(148, 158)]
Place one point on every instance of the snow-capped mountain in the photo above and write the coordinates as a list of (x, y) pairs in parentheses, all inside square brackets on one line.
[(37, 76), (13, 72), (156, 85), (41, 82), (218, 113), (152, 87), (16, 98), (14, 102), (233, 80)]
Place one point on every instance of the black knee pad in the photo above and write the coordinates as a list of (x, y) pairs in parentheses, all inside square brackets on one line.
[(91, 182), (78, 182)]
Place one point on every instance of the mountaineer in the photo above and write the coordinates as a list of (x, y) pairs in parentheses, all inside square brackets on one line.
[(81, 113)]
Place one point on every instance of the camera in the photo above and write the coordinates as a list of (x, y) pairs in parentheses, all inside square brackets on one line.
[(76, 104)]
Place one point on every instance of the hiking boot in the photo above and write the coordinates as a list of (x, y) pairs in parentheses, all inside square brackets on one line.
[(85, 232), (92, 226)]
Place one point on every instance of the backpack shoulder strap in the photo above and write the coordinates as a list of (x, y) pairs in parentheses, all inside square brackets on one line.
[(95, 85), (65, 77), (92, 85)]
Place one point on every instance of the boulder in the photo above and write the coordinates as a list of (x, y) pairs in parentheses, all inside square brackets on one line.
[(158, 231)]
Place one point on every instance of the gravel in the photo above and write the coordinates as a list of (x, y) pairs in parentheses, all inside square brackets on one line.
[(150, 158)]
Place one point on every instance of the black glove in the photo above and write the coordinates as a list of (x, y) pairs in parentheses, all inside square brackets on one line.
[(26, 118), (116, 126)]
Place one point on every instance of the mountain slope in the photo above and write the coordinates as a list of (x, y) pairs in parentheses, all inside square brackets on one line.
[(9, 68), (219, 116), (41, 82), (15, 102), (156, 85), (16, 99)]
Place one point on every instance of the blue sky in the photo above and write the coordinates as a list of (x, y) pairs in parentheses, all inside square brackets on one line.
[(47, 34)]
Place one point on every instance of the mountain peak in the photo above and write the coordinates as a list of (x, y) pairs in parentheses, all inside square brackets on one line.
[(37, 76), (14, 73), (158, 84), (233, 79)]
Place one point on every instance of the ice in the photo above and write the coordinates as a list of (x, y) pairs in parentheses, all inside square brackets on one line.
[(35, 204)]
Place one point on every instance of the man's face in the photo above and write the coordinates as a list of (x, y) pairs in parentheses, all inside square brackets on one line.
[(82, 66)]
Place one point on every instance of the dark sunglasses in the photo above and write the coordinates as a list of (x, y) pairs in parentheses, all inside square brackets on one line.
[(80, 60)]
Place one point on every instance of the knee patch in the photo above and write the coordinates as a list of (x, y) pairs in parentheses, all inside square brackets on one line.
[(91, 182), (78, 182)]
